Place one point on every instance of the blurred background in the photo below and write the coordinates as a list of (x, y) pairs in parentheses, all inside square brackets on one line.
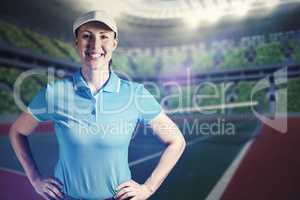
[(212, 64)]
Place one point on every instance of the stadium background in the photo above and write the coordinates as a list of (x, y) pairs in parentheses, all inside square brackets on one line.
[(234, 42)]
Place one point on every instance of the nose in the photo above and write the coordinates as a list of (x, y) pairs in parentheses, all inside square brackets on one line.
[(94, 43)]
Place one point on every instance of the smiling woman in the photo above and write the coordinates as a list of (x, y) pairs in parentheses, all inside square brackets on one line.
[(95, 43), (93, 161)]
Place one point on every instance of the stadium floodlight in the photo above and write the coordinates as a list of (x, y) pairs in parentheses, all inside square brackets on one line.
[(270, 3), (193, 13), (192, 20), (209, 15), (240, 8), (212, 11)]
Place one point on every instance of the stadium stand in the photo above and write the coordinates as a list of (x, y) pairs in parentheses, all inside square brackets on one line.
[(249, 52)]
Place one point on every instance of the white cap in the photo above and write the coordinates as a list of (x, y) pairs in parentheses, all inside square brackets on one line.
[(96, 15)]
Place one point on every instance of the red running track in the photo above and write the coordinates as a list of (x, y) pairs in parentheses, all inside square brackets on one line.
[(271, 168)]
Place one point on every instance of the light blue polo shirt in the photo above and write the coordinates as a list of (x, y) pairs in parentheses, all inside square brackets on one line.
[(93, 131)]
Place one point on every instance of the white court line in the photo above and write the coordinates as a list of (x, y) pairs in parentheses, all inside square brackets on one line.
[(219, 106), (157, 154), (197, 109), (13, 171), (133, 163), (218, 190), (145, 159)]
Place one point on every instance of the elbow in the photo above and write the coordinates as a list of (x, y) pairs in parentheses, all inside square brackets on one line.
[(182, 144), (178, 143), (12, 133)]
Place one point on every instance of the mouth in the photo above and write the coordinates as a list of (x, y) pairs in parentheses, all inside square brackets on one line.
[(93, 55)]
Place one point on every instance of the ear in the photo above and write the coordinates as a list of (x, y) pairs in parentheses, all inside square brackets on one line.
[(115, 44), (76, 42)]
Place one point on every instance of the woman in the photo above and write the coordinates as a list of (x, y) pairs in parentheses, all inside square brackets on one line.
[(88, 111)]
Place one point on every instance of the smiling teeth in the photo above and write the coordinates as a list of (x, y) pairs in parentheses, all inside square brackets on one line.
[(94, 55)]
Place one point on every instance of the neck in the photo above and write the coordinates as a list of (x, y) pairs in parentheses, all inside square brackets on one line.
[(95, 78)]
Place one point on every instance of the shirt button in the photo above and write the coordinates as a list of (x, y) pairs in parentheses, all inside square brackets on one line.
[(93, 112)]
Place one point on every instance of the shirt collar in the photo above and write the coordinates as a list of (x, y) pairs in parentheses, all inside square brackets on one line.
[(112, 85)]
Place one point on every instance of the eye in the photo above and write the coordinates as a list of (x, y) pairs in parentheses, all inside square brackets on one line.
[(103, 37), (86, 35)]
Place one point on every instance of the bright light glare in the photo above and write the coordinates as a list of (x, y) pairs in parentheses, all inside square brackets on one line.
[(209, 12), (271, 3), (240, 8), (192, 20), (209, 15), (212, 12)]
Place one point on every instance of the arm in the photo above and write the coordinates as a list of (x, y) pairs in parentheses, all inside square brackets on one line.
[(18, 133), (168, 132)]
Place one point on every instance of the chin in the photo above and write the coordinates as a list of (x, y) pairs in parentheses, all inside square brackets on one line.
[(94, 65)]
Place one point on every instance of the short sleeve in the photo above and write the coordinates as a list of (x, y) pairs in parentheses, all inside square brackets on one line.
[(38, 107), (147, 105)]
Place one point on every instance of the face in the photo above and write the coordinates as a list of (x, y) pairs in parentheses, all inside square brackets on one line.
[(95, 43)]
